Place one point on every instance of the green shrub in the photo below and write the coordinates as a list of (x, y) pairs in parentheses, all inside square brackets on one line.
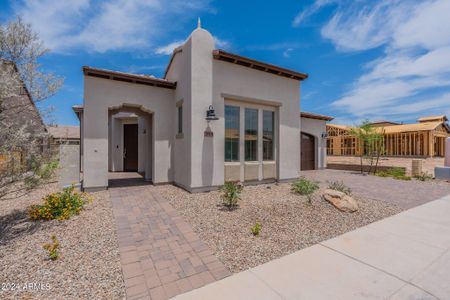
[(256, 229), (305, 187), (340, 186), (424, 176), (52, 248), (60, 205), (382, 174), (41, 173), (231, 194), (395, 172), (47, 171)]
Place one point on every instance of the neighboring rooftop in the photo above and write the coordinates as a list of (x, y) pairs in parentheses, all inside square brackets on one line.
[(441, 118), (425, 124), (310, 115), (64, 131), (380, 123)]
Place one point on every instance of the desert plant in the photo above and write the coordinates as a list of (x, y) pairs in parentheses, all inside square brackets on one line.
[(394, 172), (424, 176), (382, 174), (52, 248), (255, 229), (231, 193), (305, 187), (60, 205), (339, 186), (370, 141), (403, 177)]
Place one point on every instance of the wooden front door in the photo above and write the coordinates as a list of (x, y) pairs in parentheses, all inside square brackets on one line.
[(307, 161), (130, 147)]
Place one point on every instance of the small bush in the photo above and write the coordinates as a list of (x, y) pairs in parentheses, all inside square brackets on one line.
[(423, 176), (305, 187), (231, 194), (256, 229), (47, 171), (340, 186), (40, 174), (52, 248), (60, 205), (404, 177), (382, 174), (396, 173)]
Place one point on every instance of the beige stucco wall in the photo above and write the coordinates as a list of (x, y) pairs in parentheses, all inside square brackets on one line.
[(193, 160), (257, 88), (180, 72), (101, 94), (316, 128)]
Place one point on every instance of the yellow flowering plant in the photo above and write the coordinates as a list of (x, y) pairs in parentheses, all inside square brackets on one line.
[(60, 205)]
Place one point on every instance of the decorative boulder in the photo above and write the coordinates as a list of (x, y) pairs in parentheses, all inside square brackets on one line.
[(340, 200)]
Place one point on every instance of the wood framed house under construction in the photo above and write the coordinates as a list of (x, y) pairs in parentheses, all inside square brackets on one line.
[(423, 139)]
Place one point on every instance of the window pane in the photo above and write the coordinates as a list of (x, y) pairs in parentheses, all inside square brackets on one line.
[(251, 134), (268, 135), (180, 119), (231, 133)]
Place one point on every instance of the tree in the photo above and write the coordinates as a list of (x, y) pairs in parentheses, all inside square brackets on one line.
[(371, 144), (23, 83)]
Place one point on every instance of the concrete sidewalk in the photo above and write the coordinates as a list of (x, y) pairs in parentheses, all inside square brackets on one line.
[(406, 256)]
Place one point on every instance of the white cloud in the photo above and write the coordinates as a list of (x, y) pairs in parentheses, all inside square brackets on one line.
[(362, 27), (310, 10), (168, 49), (100, 26), (222, 44), (287, 52), (415, 62)]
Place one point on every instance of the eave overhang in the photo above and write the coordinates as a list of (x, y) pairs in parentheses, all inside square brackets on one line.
[(127, 77), (257, 65)]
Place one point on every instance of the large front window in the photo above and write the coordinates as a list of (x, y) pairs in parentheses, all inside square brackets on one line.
[(251, 134), (268, 134), (232, 121)]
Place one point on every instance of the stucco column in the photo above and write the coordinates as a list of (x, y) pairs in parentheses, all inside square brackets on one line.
[(447, 152), (148, 156), (203, 158), (95, 158)]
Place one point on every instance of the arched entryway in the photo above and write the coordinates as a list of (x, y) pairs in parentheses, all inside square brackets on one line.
[(307, 152), (130, 141)]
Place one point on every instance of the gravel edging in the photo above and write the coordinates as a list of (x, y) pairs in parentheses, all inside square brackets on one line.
[(288, 222), (89, 263)]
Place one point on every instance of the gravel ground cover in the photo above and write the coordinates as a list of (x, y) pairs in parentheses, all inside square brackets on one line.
[(88, 266), (288, 222)]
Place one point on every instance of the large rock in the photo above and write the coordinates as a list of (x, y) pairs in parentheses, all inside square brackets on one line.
[(340, 200)]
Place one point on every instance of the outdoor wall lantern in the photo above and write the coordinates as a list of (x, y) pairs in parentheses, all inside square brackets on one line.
[(211, 114)]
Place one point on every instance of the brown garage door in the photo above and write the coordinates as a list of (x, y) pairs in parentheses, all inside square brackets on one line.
[(307, 152)]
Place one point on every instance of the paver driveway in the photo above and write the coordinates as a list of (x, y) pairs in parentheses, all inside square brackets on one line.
[(160, 254)]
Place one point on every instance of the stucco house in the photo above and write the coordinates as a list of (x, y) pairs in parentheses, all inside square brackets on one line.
[(213, 117)]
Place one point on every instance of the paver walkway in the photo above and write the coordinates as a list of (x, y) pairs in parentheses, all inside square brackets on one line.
[(405, 194), (160, 254), (406, 256)]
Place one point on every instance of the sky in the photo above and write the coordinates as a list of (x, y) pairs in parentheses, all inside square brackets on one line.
[(368, 59)]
